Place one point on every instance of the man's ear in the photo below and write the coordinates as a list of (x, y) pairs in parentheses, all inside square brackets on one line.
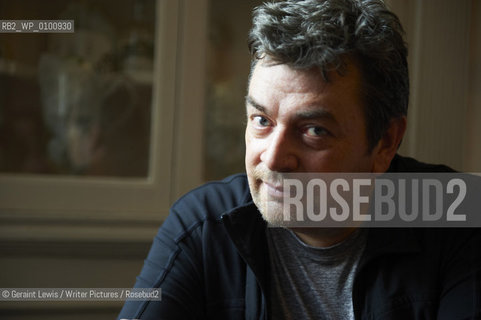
[(387, 146)]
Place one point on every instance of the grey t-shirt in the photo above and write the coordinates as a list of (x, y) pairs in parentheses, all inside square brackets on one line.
[(309, 282)]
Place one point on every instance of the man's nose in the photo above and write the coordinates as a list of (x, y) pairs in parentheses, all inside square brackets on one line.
[(280, 153)]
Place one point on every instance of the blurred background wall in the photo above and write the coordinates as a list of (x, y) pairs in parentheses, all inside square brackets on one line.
[(83, 215), (444, 45)]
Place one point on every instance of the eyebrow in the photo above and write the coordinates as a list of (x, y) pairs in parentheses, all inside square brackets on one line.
[(317, 113), (251, 101)]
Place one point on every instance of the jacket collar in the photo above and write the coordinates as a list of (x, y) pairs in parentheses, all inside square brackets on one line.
[(387, 241), (246, 228)]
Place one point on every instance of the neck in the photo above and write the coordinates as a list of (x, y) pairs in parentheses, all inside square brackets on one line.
[(323, 237)]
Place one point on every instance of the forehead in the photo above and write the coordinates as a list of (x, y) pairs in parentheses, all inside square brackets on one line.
[(275, 83)]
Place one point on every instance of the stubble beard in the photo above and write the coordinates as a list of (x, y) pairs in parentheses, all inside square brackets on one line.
[(271, 209)]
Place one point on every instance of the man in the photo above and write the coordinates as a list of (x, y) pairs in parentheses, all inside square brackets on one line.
[(328, 92)]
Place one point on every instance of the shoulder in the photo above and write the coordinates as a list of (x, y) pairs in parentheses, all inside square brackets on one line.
[(208, 203), (406, 164), (217, 196), (448, 238)]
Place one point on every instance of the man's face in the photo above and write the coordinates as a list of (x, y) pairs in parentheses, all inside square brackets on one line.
[(299, 123)]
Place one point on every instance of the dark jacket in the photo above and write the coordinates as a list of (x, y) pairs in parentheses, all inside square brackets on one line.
[(210, 260)]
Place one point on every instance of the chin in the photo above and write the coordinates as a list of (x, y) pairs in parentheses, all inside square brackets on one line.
[(272, 212)]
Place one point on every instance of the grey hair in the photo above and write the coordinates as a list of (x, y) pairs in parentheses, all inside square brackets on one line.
[(323, 33)]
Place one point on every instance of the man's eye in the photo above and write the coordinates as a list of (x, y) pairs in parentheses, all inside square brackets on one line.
[(261, 121), (316, 131)]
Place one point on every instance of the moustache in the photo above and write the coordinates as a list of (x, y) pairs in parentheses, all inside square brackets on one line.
[(272, 177)]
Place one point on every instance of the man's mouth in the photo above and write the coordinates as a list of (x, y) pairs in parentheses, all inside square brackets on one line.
[(274, 190)]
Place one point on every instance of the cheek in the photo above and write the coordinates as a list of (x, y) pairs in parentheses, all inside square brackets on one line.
[(324, 162), (249, 155), (254, 149), (331, 160)]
